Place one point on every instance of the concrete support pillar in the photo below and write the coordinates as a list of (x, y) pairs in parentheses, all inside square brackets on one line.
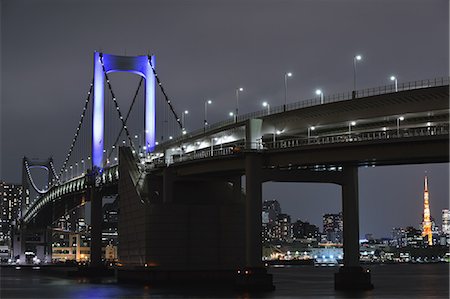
[(253, 188), (350, 214), (351, 276), (168, 185), (96, 227), (237, 188), (253, 134)]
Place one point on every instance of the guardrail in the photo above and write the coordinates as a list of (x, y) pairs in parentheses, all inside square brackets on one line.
[(225, 150), (336, 97)]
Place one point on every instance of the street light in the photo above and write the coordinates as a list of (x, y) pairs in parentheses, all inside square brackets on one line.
[(355, 59), (231, 114), (312, 128), (205, 122), (237, 101), (265, 104), (350, 124), (183, 124), (399, 119), (320, 93), (286, 75), (393, 78)]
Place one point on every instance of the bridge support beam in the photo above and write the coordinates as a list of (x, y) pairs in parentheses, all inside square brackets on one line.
[(351, 276), (254, 276)]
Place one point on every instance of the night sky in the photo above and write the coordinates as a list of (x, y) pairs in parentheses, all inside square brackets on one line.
[(205, 49)]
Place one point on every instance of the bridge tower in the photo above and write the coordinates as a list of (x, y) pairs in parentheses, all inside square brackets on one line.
[(27, 179), (427, 216), (108, 63)]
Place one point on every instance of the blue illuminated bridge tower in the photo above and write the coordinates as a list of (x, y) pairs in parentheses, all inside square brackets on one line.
[(107, 63)]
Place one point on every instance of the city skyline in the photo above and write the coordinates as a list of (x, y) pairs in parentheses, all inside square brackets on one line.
[(205, 59)]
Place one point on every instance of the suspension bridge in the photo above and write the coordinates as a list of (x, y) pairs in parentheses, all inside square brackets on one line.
[(183, 192)]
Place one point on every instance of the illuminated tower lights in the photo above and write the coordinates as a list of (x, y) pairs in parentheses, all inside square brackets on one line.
[(426, 215)]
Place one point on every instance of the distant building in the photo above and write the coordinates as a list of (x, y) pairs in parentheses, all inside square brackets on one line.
[(270, 211), (399, 237), (305, 230), (333, 227), (446, 221), (10, 201), (283, 228)]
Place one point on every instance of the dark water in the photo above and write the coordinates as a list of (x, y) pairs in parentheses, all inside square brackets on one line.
[(391, 281)]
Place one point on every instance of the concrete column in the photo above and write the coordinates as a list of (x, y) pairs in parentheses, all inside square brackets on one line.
[(253, 187), (96, 227), (253, 134), (350, 213), (237, 188), (168, 178)]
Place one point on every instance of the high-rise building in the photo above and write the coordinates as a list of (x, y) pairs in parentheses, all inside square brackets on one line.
[(333, 227), (10, 200), (270, 211), (283, 228), (305, 230), (426, 224), (446, 221), (399, 238)]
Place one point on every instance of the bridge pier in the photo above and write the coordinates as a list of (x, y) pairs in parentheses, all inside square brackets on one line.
[(351, 276), (96, 228), (255, 275)]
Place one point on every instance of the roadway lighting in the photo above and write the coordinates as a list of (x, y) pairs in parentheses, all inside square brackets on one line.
[(183, 124), (278, 132), (355, 59), (265, 104), (237, 101), (231, 114), (312, 128), (428, 124), (205, 122), (350, 124), (286, 75), (399, 119), (384, 129), (170, 137), (320, 93), (393, 78), (156, 142)]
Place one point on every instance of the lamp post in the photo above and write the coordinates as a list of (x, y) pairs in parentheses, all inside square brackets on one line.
[(286, 75), (76, 169), (312, 128), (231, 114), (82, 162), (320, 93), (393, 78), (237, 102), (399, 119), (265, 104), (355, 59), (183, 121), (205, 122), (350, 124)]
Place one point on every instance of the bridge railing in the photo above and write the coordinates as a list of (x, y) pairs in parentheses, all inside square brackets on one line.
[(358, 137), (336, 97), (236, 148)]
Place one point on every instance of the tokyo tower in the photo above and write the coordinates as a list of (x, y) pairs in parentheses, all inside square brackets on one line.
[(426, 224)]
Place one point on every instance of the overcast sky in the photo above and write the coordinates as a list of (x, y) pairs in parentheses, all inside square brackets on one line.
[(205, 49)]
